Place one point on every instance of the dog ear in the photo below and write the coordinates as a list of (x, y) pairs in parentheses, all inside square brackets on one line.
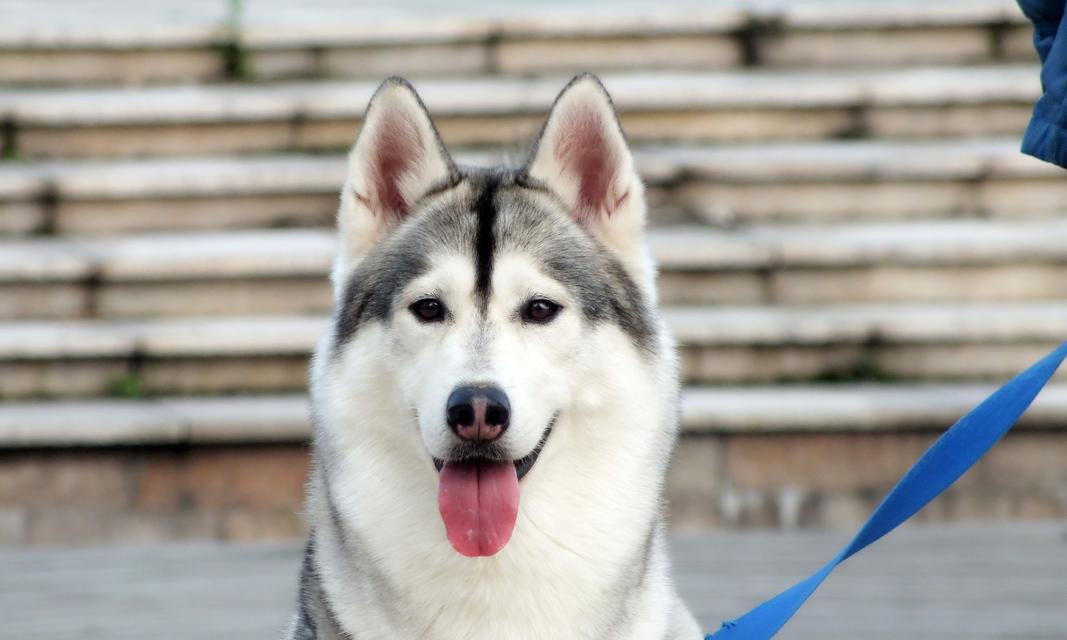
[(398, 157), (583, 157)]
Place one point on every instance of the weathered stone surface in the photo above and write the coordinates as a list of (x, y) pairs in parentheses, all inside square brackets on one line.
[(413, 59), (801, 278), (150, 495), (177, 214), (242, 420), (912, 284), (213, 297), (695, 482), (90, 423), (67, 141), (218, 478), (948, 121), (726, 203), (563, 55), (755, 364), (248, 492), (885, 325), (836, 480), (43, 300), (55, 479), (164, 421), (821, 462), (811, 183), (856, 47), (654, 107), (702, 287), (81, 66), (255, 524), (718, 344), (851, 407), (1017, 43), (60, 378), (217, 375), (839, 407), (21, 218)]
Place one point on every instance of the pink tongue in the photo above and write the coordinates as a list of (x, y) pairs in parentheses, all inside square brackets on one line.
[(479, 503)]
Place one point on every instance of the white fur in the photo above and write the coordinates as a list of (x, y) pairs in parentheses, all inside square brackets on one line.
[(587, 505)]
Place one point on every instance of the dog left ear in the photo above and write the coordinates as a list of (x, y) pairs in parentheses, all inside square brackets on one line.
[(398, 157), (583, 157)]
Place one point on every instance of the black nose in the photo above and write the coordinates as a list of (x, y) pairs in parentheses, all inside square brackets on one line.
[(478, 413)]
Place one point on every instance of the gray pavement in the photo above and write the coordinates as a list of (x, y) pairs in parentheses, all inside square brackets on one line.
[(960, 581)]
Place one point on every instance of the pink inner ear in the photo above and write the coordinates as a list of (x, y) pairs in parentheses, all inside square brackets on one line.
[(396, 147), (583, 149)]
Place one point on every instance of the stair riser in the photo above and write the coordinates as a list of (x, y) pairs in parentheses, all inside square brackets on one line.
[(693, 199), (516, 131), (979, 283), (93, 216), (255, 491), (115, 377), (223, 374), (52, 67), (850, 200), (836, 480), (312, 294), (515, 54)]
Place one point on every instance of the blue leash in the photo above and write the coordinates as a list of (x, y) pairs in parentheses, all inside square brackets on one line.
[(943, 463)]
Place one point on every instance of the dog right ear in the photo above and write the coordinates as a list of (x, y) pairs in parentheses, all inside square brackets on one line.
[(398, 157)]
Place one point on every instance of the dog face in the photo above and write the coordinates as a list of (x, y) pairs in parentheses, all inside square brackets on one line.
[(495, 300)]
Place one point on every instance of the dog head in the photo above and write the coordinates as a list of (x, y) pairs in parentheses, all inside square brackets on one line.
[(485, 307)]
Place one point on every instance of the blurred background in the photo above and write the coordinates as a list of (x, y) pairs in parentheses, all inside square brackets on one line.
[(853, 251)]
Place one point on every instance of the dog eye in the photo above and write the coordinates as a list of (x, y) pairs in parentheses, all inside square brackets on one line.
[(540, 311), (428, 310)]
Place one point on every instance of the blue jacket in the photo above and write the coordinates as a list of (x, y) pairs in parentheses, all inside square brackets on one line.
[(1046, 137)]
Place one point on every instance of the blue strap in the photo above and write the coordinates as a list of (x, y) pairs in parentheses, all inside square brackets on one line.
[(943, 463)]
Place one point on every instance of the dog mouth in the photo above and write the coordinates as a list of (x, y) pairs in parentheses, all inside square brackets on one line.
[(492, 455), (478, 496)]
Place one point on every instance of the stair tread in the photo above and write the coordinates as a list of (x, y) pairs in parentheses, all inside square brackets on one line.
[(315, 173), (729, 409), (632, 91), (288, 253), (133, 25), (781, 325)]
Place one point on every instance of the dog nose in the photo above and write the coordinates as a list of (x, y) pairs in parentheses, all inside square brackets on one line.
[(478, 413)]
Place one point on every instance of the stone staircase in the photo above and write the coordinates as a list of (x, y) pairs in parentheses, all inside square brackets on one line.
[(852, 249)]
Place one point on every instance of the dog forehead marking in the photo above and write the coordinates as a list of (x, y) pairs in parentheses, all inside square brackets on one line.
[(490, 213)]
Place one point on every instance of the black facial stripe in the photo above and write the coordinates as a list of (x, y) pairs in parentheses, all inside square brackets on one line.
[(485, 240)]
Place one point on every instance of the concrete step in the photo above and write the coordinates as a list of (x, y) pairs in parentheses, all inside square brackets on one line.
[(76, 472), (720, 345), (256, 419), (670, 106), (131, 43), (285, 271), (721, 185)]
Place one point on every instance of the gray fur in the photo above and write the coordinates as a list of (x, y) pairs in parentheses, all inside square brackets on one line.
[(569, 253), (315, 618)]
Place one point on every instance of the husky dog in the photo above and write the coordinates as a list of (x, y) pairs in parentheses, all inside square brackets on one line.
[(496, 404)]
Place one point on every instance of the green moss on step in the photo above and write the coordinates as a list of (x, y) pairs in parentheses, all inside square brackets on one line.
[(127, 386)]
